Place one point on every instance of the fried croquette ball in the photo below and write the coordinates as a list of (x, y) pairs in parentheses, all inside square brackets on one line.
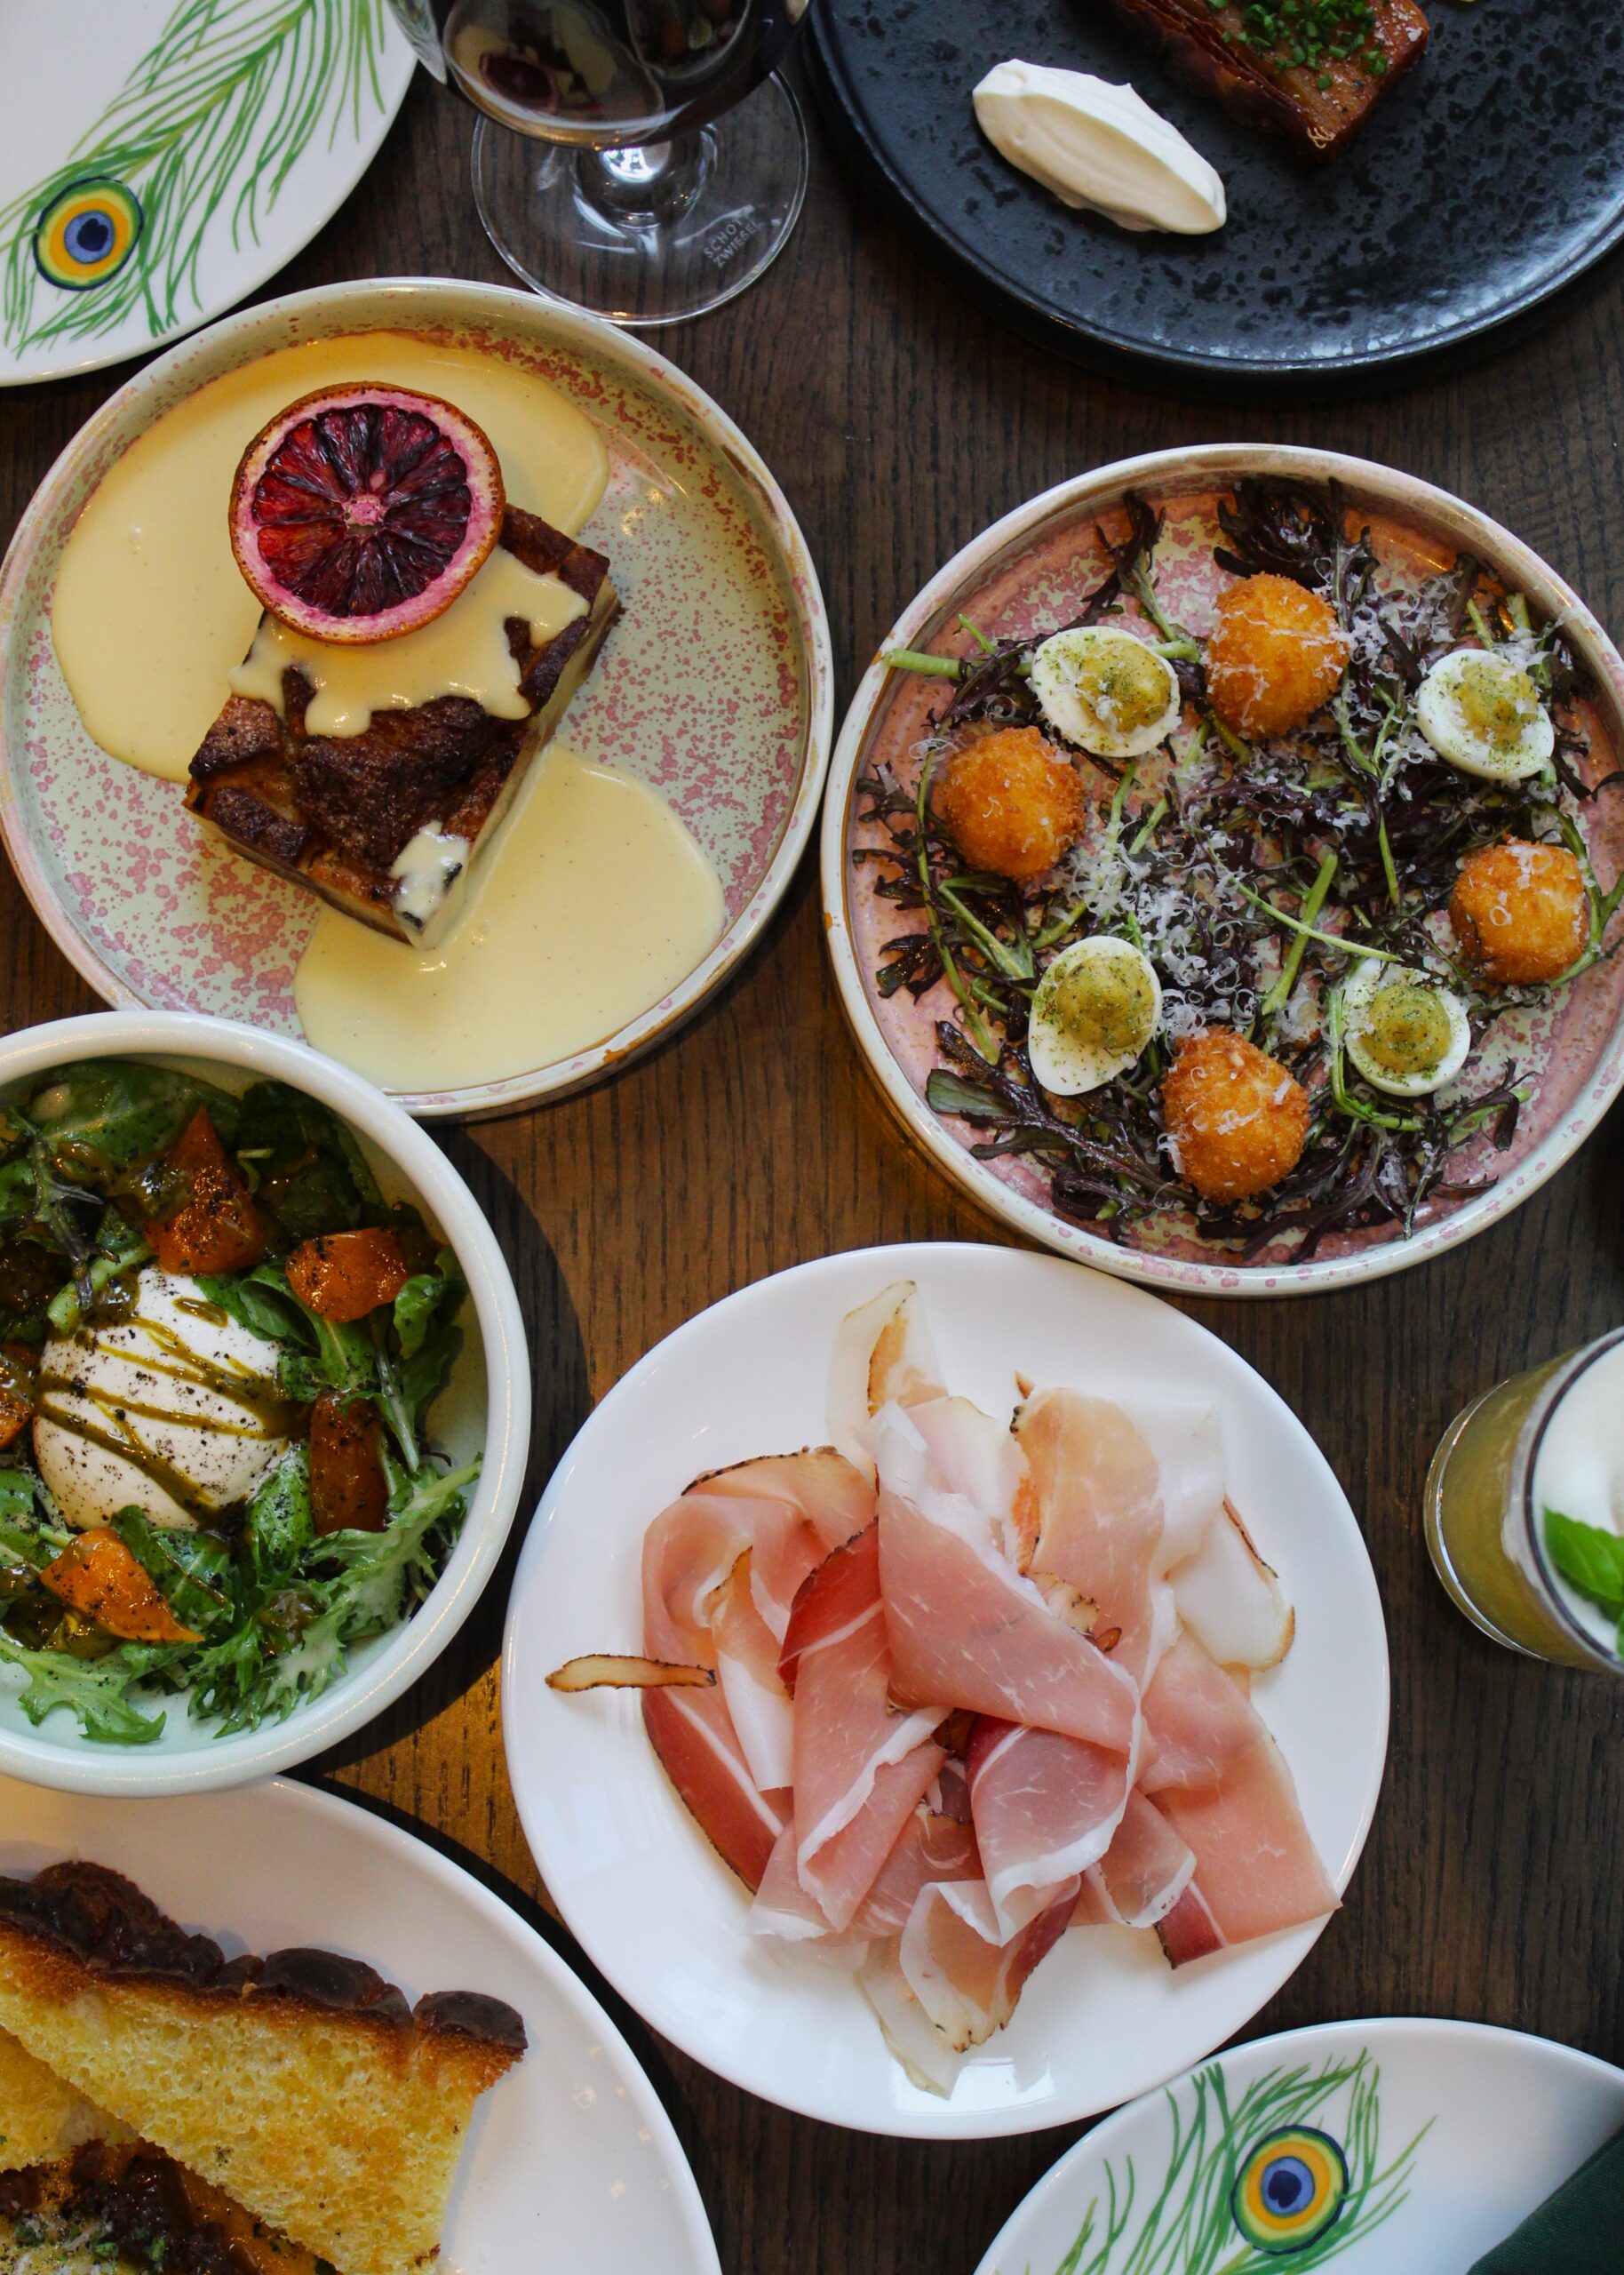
[(1520, 911), (1013, 804), (1275, 653), (1238, 1119)]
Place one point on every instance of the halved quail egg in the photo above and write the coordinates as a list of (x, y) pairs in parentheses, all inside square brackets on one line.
[(1482, 713), (1105, 690), (1095, 1008), (1404, 1032)]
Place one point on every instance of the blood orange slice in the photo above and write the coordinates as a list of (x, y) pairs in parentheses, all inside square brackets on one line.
[(362, 511)]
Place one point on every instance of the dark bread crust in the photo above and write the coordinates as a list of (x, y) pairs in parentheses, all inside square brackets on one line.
[(1191, 36), (80, 1922), (334, 812)]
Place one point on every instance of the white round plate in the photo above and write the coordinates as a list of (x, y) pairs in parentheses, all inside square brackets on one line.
[(1104, 2017), (187, 110), (571, 2161), (1452, 2133), (1031, 570), (715, 687)]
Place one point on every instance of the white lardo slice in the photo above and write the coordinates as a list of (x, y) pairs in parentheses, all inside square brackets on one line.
[(1230, 1600), (882, 1351)]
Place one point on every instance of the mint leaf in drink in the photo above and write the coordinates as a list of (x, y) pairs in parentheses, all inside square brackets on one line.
[(1590, 1558)]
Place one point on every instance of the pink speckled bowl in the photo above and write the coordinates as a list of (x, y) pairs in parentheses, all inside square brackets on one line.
[(1029, 571), (716, 686)]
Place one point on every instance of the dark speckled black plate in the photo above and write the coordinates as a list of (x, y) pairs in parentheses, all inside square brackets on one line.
[(1490, 176)]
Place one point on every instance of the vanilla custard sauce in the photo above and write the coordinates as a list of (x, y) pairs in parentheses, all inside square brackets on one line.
[(597, 903), (464, 651), (151, 616)]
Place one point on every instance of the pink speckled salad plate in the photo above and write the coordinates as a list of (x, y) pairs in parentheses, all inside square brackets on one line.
[(715, 687), (1029, 572)]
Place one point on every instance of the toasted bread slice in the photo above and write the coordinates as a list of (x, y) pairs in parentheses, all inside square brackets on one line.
[(41, 2118), (386, 825), (1319, 105), (301, 2084)]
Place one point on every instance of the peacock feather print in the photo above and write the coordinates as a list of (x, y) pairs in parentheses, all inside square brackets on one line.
[(1289, 2176), (202, 138)]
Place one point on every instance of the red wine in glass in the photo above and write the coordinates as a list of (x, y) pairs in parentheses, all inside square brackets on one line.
[(613, 164)]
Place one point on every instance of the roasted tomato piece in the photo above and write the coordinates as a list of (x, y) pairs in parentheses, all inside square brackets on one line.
[(215, 1227), (348, 1491), (98, 1577), (19, 1388), (343, 1276)]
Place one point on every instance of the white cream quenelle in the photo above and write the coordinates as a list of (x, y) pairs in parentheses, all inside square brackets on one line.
[(1098, 146)]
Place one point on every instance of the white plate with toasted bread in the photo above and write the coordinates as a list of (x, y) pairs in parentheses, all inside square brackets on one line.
[(569, 2159)]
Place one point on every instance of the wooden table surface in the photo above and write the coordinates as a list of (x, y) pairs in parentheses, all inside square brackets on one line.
[(900, 421)]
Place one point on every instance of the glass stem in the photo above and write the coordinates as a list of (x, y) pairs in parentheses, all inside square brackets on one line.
[(644, 183)]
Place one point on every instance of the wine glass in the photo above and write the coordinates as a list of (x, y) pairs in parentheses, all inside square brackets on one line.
[(616, 163)]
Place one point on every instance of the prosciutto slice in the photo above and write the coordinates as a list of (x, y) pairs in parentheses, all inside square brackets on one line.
[(1113, 1508), (1143, 1874), (1046, 1808), (965, 1625), (737, 1546), (861, 1766), (758, 1704), (930, 1847), (1222, 1785)]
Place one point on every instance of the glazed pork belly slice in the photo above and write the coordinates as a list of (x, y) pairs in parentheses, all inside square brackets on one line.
[(386, 823), (1210, 49)]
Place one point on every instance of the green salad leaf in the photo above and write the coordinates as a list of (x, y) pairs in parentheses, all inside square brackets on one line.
[(383, 1574), (1588, 1556), (305, 1163), (97, 1690), (119, 1249), (278, 1523), (16, 1189), (192, 1571), (316, 1356), (111, 1113), (422, 1303), (254, 1305), (29, 1533)]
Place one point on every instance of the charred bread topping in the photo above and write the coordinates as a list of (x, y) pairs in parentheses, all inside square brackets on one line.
[(106, 1922), (1314, 73), (302, 2089), (385, 822)]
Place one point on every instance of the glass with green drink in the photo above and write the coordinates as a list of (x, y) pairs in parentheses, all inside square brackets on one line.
[(1526, 1509)]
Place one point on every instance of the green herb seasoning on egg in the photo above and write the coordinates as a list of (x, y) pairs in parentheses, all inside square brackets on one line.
[(1095, 1008), (1405, 1033), (1482, 713)]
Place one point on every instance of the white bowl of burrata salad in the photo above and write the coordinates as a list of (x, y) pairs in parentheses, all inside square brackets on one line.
[(264, 1403)]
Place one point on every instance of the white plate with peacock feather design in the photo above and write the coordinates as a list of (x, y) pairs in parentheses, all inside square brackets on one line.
[(160, 159), (1395, 2148)]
